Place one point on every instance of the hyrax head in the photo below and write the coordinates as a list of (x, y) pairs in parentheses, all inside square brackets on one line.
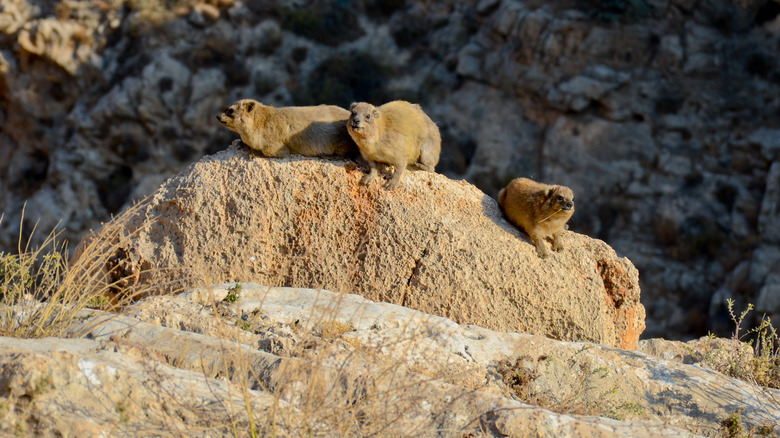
[(363, 115), (239, 115), (559, 198)]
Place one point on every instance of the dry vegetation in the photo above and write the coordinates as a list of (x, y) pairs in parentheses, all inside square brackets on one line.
[(753, 356), (42, 292), (590, 393)]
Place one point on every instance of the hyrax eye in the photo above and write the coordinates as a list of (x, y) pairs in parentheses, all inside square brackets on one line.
[(229, 112), (368, 116), (559, 198)]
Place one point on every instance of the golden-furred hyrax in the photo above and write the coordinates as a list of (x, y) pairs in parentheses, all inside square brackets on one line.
[(279, 131), (397, 133), (541, 210)]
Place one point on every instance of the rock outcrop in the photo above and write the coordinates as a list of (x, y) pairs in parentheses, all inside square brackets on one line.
[(436, 245), (292, 362), (660, 114)]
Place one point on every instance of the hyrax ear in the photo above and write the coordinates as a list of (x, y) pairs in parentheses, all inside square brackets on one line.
[(250, 106), (376, 113), (547, 191), (352, 106)]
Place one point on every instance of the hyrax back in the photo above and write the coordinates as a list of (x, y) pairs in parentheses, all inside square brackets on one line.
[(541, 210), (397, 133), (277, 132)]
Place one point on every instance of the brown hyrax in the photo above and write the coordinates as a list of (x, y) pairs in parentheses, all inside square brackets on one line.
[(541, 210), (397, 133), (277, 132)]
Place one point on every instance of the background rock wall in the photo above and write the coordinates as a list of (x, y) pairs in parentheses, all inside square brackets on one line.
[(661, 115)]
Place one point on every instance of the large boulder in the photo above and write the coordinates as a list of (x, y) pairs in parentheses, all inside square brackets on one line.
[(436, 245)]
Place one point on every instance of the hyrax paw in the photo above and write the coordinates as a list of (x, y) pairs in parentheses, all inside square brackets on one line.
[(543, 252), (392, 184), (368, 179), (557, 247)]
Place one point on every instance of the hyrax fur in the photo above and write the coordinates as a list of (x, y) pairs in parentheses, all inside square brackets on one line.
[(397, 133), (277, 132), (541, 210)]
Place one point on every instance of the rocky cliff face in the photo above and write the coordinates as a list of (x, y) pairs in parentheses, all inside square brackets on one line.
[(661, 115)]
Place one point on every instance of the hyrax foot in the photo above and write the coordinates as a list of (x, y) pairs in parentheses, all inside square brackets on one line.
[(542, 252), (557, 245), (370, 176), (424, 167), (392, 183), (541, 248), (395, 181)]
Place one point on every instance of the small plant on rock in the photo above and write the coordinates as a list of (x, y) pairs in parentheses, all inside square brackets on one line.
[(733, 425), (234, 293), (765, 365)]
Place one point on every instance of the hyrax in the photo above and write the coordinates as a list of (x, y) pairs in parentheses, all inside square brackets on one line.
[(277, 132), (541, 210), (397, 133)]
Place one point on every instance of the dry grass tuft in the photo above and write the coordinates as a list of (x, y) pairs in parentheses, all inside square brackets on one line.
[(42, 292)]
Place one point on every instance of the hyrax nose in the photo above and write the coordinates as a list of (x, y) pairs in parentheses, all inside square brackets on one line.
[(569, 205)]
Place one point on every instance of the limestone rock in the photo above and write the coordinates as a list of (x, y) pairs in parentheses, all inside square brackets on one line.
[(768, 140), (768, 223), (52, 40), (80, 387), (768, 300), (14, 14), (436, 245), (509, 135), (291, 361), (652, 386)]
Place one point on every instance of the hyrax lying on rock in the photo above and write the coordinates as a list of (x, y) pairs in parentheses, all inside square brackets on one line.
[(397, 133), (277, 132), (541, 210)]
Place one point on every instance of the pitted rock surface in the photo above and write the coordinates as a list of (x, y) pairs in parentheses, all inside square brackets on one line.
[(436, 245)]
